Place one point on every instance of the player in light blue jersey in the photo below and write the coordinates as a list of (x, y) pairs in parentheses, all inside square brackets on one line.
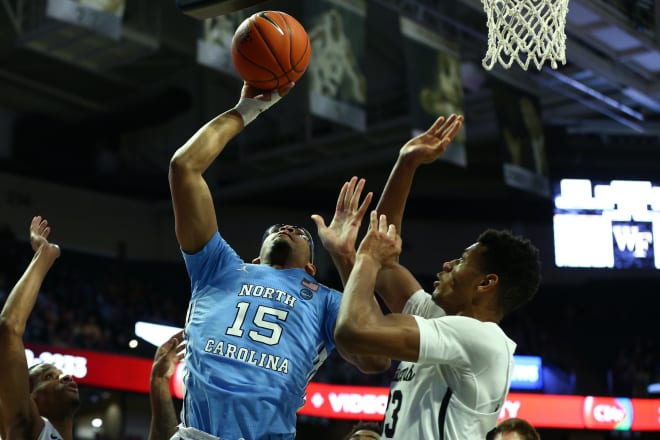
[(256, 333)]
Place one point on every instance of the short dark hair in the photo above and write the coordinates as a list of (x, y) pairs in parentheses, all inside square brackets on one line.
[(516, 262), (33, 375), (371, 426), (520, 426)]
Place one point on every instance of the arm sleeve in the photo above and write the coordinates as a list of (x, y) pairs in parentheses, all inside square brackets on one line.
[(458, 341), (215, 256), (334, 300), (421, 304)]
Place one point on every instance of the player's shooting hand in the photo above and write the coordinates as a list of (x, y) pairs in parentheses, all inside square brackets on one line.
[(382, 241), (168, 355), (430, 145), (249, 91), (339, 237)]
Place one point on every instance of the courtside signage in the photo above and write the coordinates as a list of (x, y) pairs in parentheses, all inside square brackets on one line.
[(101, 370), (132, 374)]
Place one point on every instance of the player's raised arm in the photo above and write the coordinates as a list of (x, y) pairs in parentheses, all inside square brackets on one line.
[(20, 414), (194, 211), (338, 238), (163, 416), (422, 149), (395, 284), (361, 325)]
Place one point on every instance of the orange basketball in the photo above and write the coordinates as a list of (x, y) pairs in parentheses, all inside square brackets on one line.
[(270, 49)]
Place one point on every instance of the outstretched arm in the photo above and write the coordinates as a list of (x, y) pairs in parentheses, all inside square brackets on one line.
[(339, 240), (21, 418), (194, 211), (339, 237), (422, 149), (396, 284), (163, 416), (361, 326)]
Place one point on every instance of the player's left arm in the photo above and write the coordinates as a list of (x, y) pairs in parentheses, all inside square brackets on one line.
[(365, 363), (163, 416), (362, 328), (369, 364), (339, 237), (20, 416)]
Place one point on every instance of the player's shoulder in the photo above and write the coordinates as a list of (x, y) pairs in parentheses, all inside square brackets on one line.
[(49, 432), (484, 332)]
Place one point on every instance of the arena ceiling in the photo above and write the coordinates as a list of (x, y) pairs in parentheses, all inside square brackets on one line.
[(82, 110)]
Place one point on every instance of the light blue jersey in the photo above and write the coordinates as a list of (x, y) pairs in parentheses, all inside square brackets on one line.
[(256, 336)]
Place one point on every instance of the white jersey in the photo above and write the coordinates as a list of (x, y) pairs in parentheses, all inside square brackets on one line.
[(459, 384), (49, 432)]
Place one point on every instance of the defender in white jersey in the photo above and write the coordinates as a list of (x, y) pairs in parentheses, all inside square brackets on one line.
[(39, 403), (456, 361), (255, 333)]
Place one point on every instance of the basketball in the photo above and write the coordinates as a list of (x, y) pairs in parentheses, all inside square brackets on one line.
[(270, 49)]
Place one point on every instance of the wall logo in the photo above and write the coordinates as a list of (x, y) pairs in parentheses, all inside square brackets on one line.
[(608, 413)]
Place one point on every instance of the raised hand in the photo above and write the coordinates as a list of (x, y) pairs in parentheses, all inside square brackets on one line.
[(430, 145), (254, 101), (382, 241), (249, 91), (339, 237), (168, 355), (39, 232)]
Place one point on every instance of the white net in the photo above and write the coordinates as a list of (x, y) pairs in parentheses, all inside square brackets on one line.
[(525, 31)]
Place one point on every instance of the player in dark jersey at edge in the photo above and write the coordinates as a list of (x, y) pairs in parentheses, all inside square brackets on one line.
[(39, 403)]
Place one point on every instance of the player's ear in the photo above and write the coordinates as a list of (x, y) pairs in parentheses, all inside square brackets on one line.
[(489, 282), (256, 260), (310, 268)]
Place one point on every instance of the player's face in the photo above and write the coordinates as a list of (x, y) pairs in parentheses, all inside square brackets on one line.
[(458, 282), (283, 243), (52, 390)]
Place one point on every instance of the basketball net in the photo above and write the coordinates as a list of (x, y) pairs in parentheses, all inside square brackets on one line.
[(524, 31)]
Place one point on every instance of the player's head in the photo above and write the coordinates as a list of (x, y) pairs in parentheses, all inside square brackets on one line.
[(514, 429), (55, 393), (287, 246), (516, 262), (500, 271), (364, 431)]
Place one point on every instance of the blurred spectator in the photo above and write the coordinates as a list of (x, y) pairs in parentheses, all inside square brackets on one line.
[(514, 429), (364, 431)]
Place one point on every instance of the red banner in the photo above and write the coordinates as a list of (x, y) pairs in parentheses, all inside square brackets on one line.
[(128, 373), (91, 368), (546, 410)]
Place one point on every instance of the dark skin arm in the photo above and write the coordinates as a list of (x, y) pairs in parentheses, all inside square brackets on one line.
[(194, 211), (361, 326), (396, 284), (21, 419), (339, 240), (340, 236), (163, 416)]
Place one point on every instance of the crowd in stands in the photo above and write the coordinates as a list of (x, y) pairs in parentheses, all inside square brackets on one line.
[(602, 336)]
